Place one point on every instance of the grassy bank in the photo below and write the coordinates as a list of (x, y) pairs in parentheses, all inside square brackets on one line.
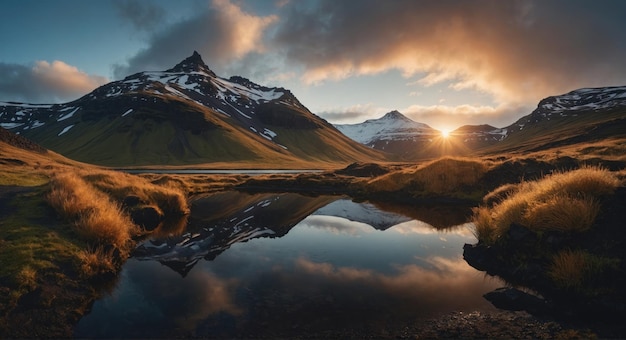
[(65, 230), (563, 201), (562, 236)]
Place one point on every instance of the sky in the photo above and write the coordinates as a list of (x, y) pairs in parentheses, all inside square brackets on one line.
[(445, 63)]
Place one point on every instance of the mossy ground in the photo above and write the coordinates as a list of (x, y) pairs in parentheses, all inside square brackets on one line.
[(33, 245)]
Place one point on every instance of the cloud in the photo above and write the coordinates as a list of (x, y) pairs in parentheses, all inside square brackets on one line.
[(45, 82), (183, 303), (445, 116), (222, 33), (437, 116), (353, 114), (443, 285), (142, 15), (517, 51)]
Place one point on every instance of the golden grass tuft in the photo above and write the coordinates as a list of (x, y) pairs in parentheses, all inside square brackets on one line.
[(562, 213), (573, 269), (563, 201), (448, 174), (96, 261), (483, 223), (441, 176), (167, 194), (96, 218), (27, 277)]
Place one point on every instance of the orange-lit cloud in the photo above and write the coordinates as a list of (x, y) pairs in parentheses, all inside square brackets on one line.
[(184, 303), (45, 82), (446, 284), (518, 51), (451, 117), (68, 78), (222, 33)]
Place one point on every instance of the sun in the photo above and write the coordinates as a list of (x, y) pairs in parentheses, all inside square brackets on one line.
[(445, 133)]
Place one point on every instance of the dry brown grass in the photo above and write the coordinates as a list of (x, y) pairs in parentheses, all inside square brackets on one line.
[(484, 230), (96, 261), (167, 194), (27, 277), (90, 199), (562, 213), (446, 174), (441, 176), (574, 269), (564, 201), (97, 218)]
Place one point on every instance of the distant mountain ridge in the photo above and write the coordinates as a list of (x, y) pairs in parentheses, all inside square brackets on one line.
[(577, 116), (184, 115)]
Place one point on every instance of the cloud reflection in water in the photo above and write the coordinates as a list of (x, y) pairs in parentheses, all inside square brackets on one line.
[(326, 273)]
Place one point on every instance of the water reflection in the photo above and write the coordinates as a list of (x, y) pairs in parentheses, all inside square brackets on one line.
[(327, 265)]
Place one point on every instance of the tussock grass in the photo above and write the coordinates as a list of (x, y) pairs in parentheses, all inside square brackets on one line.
[(562, 213), (97, 218), (167, 194), (575, 269), (441, 176), (27, 277), (563, 201), (484, 229), (95, 261), (91, 200)]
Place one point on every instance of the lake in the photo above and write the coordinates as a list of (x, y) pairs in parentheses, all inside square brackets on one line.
[(267, 265)]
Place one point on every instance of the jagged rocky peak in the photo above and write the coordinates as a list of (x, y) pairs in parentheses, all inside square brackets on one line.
[(395, 115), (194, 63)]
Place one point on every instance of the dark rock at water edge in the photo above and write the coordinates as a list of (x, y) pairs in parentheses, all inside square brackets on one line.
[(147, 217)]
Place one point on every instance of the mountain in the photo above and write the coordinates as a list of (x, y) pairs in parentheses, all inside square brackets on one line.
[(362, 212), (20, 142), (580, 116), (477, 136), (223, 219), (393, 133), (185, 115)]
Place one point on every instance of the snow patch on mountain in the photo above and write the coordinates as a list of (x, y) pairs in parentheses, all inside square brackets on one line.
[(66, 129), (573, 104), (586, 99), (69, 115)]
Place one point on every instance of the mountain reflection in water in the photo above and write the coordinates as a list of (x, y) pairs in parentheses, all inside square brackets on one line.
[(288, 264)]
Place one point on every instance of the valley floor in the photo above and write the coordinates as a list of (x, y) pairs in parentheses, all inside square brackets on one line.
[(38, 301)]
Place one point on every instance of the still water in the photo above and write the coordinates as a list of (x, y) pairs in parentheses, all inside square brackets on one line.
[(286, 264)]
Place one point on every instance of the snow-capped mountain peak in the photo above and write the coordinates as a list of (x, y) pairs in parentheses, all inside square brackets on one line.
[(392, 126), (186, 114)]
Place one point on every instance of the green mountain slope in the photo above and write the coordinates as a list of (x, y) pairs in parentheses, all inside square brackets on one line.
[(186, 116)]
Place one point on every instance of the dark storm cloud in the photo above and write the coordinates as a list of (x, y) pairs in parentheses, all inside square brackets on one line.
[(516, 50), (45, 82), (223, 32), (143, 15)]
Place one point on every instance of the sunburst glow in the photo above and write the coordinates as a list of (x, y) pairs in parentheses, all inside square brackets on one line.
[(445, 133)]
